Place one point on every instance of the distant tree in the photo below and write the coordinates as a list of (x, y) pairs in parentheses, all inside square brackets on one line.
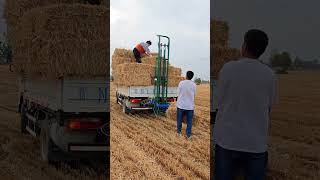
[(281, 61), (197, 81)]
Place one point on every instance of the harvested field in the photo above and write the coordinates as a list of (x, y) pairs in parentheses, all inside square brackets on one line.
[(294, 139), (146, 147), (20, 154)]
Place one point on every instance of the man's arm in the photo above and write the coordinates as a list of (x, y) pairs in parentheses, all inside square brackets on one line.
[(148, 52)]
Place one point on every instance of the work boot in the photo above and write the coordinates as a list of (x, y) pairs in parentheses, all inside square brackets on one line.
[(188, 138), (179, 134)]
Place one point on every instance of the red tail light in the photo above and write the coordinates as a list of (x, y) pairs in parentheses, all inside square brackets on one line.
[(84, 124), (170, 100), (135, 100)]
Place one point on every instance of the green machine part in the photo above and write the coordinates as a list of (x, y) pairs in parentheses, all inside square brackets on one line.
[(162, 70)]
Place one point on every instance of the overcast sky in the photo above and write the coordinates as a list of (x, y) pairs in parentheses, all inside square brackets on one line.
[(185, 22), (292, 25)]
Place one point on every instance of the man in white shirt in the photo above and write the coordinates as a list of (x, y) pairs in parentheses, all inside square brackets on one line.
[(140, 49), (247, 89), (185, 103)]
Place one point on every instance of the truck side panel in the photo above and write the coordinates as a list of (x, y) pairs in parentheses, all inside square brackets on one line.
[(68, 95), (144, 91), (43, 92), (85, 96)]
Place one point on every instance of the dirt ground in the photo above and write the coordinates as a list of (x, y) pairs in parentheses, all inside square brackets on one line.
[(146, 147), (19, 154), (295, 128)]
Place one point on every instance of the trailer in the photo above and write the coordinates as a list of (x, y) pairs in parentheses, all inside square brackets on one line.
[(137, 98), (69, 115)]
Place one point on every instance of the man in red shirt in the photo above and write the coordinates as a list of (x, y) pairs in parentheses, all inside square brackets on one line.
[(140, 49)]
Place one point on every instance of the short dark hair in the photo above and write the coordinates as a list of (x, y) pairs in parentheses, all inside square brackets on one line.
[(256, 42), (190, 75), (149, 42)]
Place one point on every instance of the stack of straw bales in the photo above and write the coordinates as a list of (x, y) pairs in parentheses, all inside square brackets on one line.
[(55, 38), (220, 52), (126, 72)]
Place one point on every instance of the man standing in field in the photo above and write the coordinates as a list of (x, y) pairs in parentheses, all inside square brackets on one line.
[(246, 91), (185, 103), (140, 49)]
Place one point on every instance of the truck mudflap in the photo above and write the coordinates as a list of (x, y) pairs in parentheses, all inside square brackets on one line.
[(74, 147)]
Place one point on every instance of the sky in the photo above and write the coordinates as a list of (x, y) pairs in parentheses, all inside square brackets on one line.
[(186, 23), (292, 25)]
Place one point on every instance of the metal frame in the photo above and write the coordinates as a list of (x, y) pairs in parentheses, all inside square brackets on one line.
[(161, 73)]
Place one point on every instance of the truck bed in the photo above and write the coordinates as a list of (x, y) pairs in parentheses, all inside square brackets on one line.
[(68, 94), (144, 91)]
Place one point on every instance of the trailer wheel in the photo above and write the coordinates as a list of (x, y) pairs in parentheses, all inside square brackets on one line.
[(46, 146), (23, 120)]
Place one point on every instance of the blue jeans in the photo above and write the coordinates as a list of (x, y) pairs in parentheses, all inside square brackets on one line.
[(229, 162), (180, 114)]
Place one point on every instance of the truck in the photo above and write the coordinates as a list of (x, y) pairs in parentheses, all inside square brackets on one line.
[(157, 97), (70, 116)]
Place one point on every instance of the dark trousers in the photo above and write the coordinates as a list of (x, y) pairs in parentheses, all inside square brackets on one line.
[(137, 55), (180, 114), (229, 162)]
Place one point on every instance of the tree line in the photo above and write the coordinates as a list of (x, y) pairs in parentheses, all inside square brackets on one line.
[(281, 62)]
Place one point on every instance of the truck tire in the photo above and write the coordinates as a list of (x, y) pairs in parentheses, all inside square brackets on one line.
[(117, 99), (46, 146), (23, 120), (125, 109)]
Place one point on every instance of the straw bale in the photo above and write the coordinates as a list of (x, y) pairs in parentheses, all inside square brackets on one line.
[(64, 58), (173, 81), (172, 114), (149, 60), (221, 56), (119, 52), (121, 56), (219, 33), (15, 9), (174, 71), (63, 40), (133, 74), (117, 60)]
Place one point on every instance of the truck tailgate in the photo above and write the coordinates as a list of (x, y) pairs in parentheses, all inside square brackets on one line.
[(144, 91), (68, 95), (85, 96)]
